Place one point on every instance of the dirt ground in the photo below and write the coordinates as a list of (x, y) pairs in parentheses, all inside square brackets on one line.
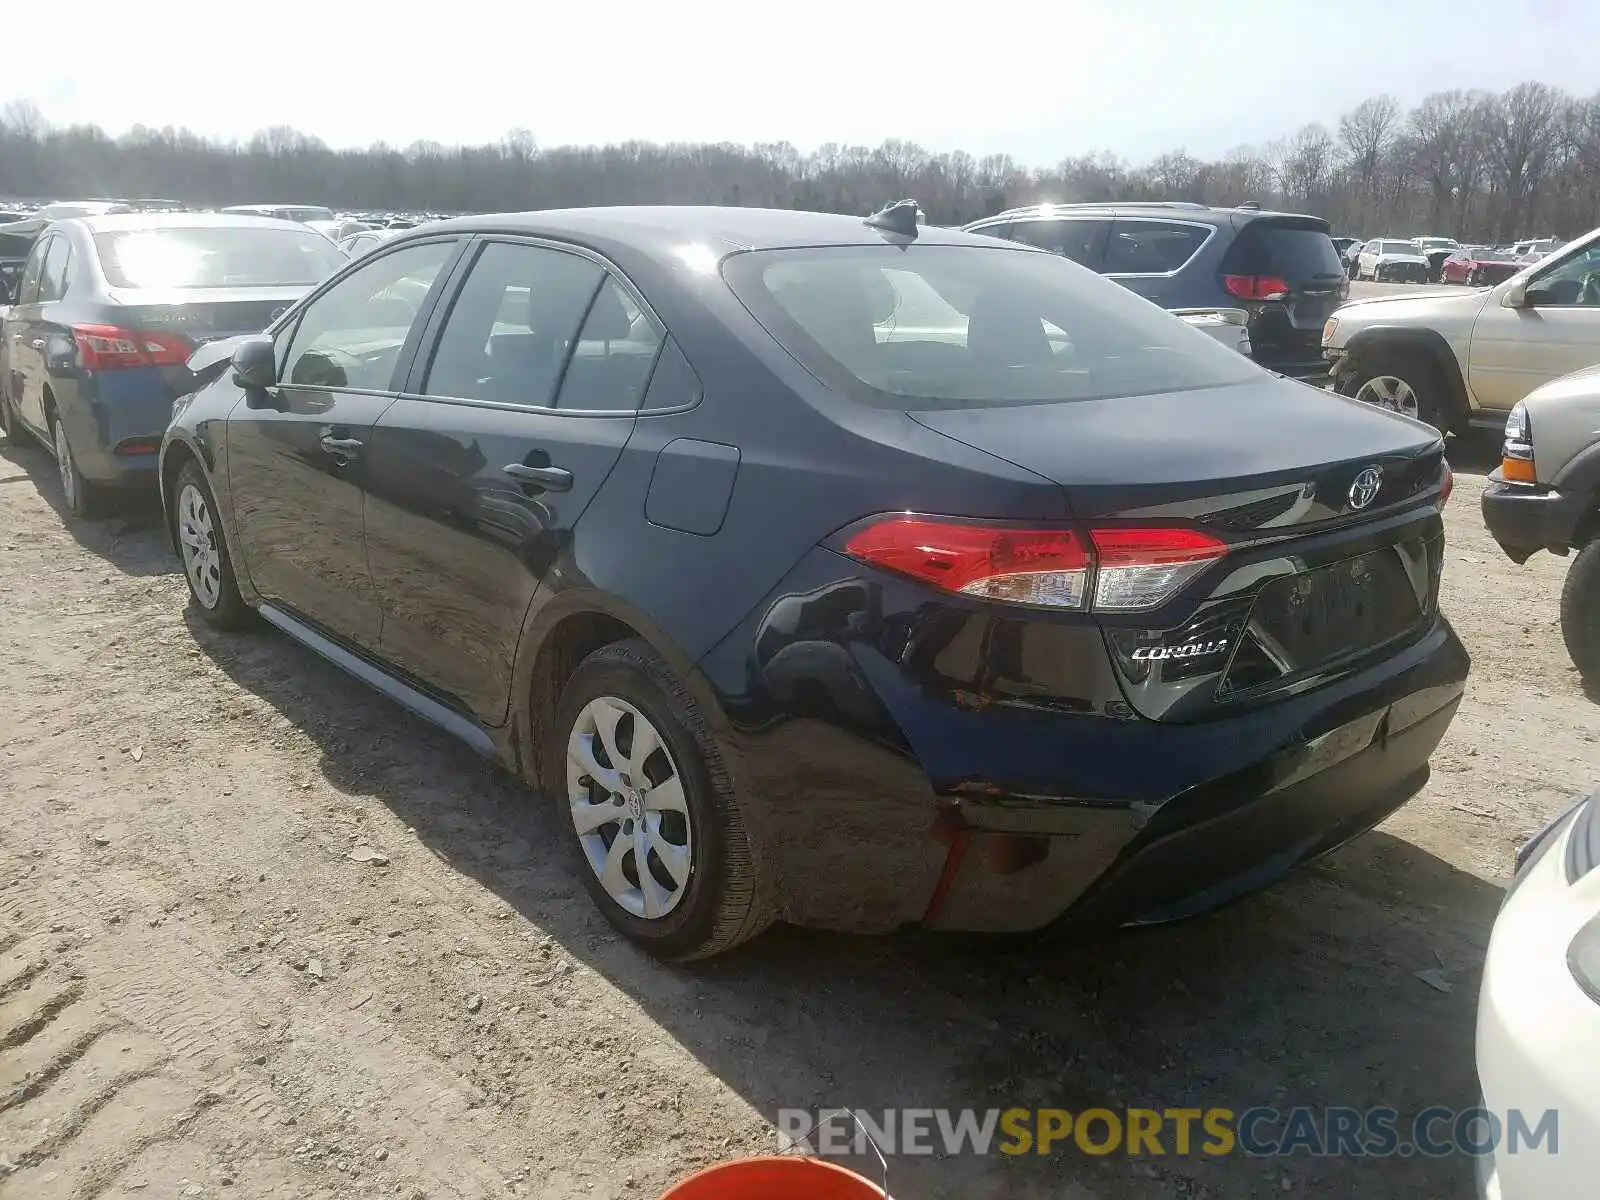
[(203, 994)]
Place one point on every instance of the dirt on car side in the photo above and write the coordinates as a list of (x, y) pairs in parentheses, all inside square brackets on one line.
[(263, 934)]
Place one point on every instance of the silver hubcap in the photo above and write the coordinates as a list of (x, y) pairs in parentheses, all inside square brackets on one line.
[(1390, 392), (628, 808), (69, 476), (197, 538)]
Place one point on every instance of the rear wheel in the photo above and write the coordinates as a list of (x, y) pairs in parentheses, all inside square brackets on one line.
[(81, 496), (648, 807), (1404, 383), (1580, 611)]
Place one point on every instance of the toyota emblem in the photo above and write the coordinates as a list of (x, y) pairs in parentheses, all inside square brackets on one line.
[(1364, 490)]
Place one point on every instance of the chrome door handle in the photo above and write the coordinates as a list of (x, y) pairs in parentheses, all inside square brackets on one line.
[(345, 448), (551, 479)]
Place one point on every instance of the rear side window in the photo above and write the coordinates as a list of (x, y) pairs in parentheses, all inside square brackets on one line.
[(53, 275), (616, 348), (1152, 247), (513, 324), (1082, 241), (971, 327), (1292, 251)]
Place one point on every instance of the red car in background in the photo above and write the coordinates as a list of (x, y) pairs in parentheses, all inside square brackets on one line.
[(1479, 266)]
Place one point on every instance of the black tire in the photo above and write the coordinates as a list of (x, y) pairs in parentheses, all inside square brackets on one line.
[(1580, 611), (724, 903), (1416, 370), (220, 605), (82, 498), (1472, 279), (10, 425)]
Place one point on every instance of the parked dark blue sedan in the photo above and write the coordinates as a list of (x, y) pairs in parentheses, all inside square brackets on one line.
[(855, 573), (107, 312)]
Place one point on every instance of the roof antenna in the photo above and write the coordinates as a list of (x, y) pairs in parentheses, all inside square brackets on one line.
[(901, 217)]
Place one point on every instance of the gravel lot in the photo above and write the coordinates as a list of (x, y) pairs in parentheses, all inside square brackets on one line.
[(202, 993)]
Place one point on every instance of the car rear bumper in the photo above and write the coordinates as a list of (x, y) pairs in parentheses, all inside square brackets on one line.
[(1401, 272), (1526, 518), (116, 423), (885, 787)]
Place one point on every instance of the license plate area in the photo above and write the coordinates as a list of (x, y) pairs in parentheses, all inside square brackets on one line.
[(1306, 622)]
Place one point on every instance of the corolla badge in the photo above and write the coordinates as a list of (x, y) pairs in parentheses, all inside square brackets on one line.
[(1364, 490)]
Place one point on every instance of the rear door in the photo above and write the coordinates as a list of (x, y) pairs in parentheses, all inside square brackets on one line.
[(297, 455), (478, 475), (1145, 255), (1292, 261)]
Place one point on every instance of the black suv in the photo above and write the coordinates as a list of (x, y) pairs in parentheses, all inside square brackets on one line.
[(1281, 268)]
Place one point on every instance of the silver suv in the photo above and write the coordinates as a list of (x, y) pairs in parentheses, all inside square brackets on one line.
[(1457, 359), (1545, 495)]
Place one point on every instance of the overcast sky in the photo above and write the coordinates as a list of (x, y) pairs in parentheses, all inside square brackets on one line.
[(1040, 81)]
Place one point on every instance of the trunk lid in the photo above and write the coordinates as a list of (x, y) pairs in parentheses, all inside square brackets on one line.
[(203, 314), (1327, 566)]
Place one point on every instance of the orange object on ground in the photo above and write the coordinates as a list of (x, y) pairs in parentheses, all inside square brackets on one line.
[(775, 1178)]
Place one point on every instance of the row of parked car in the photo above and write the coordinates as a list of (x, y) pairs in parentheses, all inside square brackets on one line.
[(856, 573), (1439, 260)]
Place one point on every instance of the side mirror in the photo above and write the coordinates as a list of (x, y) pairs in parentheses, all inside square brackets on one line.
[(255, 364), (1517, 297)]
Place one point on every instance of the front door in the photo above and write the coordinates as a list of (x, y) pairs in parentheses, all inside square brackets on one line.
[(297, 454), (478, 476), (25, 343), (1514, 350)]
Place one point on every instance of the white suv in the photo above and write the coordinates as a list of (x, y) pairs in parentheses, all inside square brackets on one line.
[(1455, 360)]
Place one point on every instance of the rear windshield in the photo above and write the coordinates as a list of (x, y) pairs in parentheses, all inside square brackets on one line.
[(216, 257), (1490, 256), (1296, 253), (927, 327)]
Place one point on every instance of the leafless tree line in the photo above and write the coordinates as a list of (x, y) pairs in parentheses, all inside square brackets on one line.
[(1475, 165)]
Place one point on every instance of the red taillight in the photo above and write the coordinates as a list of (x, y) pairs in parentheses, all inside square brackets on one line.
[(1123, 568), (1447, 485), (112, 348), (1256, 287)]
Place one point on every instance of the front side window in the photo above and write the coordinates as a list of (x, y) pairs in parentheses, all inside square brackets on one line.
[(1082, 241), (1151, 247), (1571, 282), (351, 335), (28, 291), (513, 325), (971, 327)]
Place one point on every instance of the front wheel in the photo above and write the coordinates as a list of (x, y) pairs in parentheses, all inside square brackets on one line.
[(207, 567), (1400, 383), (1580, 611), (646, 803)]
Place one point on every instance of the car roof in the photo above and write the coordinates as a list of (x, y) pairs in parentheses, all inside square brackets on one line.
[(122, 222), (660, 230)]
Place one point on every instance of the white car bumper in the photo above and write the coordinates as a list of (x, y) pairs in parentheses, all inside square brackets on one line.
[(1539, 1032)]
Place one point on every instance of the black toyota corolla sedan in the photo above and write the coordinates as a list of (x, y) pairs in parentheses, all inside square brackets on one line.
[(848, 572)]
